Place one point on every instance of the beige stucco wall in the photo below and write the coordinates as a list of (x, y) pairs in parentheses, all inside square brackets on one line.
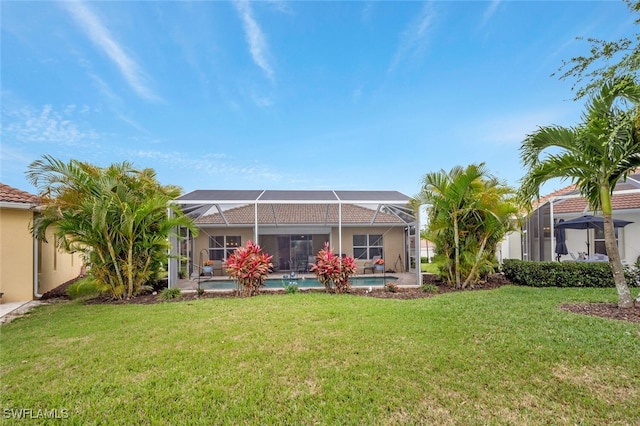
[(393, 241), (55, 267), (510, 247), (16, 255)]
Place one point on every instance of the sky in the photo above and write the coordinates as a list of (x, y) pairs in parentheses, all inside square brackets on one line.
[(360, 95)]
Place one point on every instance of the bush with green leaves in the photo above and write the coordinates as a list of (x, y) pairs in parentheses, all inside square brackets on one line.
[(170, 294), (429, 288), (290, 287), (115, 216), (84, 288), (562, 274)]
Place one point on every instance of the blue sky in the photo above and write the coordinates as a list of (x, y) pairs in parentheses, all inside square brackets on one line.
[(289, 95)]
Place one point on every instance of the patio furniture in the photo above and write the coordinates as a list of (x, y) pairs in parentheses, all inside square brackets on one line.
[(370, 265)]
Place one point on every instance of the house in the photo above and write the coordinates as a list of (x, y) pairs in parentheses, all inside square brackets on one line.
[(293, 226), (537, 240), (28, 267)]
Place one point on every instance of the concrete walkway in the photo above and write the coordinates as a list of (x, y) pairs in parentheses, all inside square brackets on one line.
[(11, 310)]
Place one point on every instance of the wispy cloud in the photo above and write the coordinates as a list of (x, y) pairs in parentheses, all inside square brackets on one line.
[(367, 12), (102, 38), (220, 165), (490, 11), (255, 37), (415, 37), (115, 103), (281, 6), (31, 125)]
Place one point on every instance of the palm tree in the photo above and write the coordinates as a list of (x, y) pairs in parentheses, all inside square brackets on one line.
[(116, 217), (468, 215), (603, 149)]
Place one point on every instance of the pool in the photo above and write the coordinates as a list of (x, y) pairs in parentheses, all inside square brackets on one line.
[(303, 282)]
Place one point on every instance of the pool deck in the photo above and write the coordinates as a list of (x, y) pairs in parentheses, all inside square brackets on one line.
[(405, 279)]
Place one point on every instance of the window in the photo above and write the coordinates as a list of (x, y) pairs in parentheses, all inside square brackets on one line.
[(598, 241), (221, 247), (367, 246)]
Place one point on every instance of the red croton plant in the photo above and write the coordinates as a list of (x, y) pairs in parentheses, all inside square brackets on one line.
[(249, 266), (334, 271)]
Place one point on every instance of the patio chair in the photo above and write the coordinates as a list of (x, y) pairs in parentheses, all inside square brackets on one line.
[(217, 266), (371, 264)]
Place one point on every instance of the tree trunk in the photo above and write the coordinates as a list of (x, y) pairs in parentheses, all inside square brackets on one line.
[(456, 239), (477, 261), (624, 295)]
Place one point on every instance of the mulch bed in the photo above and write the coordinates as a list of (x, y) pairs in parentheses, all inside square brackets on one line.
[(605, 310)]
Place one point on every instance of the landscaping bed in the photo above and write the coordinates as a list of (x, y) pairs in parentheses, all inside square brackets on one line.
[(604, 310)]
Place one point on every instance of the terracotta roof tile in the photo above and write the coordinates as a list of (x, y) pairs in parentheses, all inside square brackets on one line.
[(579, 204), (299, 214), (14, 195)]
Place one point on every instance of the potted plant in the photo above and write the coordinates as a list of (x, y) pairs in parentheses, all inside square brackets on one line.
[(207, 266), (379, 264)]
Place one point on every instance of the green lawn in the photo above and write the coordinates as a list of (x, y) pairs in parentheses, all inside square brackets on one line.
[(505, 356), (431, 268)]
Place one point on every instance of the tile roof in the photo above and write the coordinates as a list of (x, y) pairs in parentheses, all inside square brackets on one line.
[(578, 204), (14, 195), (299, 214)]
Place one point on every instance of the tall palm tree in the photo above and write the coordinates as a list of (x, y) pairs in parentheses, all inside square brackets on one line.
[(116, 217), (603, 149), (468, 215)]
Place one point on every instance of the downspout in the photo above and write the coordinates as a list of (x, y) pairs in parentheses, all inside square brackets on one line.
[(36, 273)]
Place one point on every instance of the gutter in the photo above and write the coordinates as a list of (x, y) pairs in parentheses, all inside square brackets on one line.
[(17, 206)]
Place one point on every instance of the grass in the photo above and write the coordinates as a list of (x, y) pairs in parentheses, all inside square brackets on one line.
[(505, 356), (431, 268)]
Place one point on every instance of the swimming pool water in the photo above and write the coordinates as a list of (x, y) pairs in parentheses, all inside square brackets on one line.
[(300, 281)]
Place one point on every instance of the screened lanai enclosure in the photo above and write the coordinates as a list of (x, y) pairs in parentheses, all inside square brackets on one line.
[(550, 232), (292, 226)]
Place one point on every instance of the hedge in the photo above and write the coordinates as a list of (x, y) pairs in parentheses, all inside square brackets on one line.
[(563, 274)]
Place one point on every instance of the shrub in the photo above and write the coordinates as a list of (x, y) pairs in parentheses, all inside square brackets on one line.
[(170, 293), (333, 271), (83, 288), (391, 287), (562, 274), (200, 291), (429, 288), (290, 287), (249, 266)]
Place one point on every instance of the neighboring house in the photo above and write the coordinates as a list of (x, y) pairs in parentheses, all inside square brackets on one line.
[(28, 268), (537, 240), (293, 226)]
